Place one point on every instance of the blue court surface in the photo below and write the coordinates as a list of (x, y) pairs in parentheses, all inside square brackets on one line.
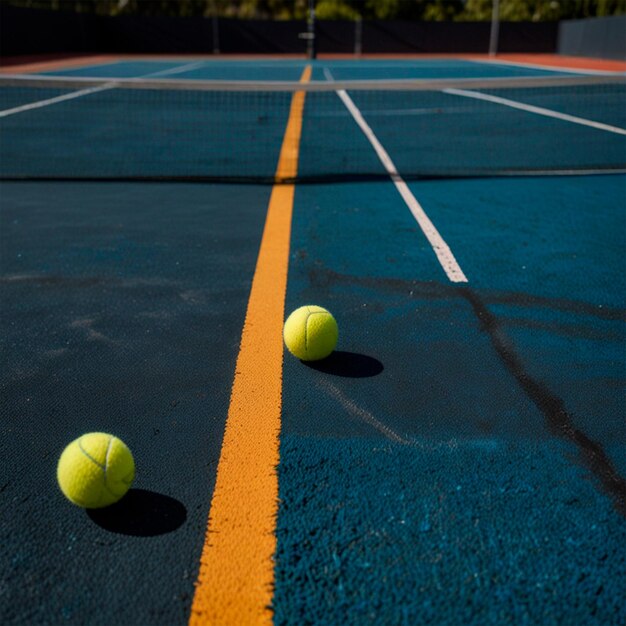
[(459, 459)]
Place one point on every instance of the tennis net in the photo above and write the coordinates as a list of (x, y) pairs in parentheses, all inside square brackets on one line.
[(141, 129)]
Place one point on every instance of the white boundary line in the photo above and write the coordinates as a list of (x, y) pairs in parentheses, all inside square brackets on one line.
[(440, 247), (514, 104), (49, 101), (85, 92), (548, 68), (175, 70)]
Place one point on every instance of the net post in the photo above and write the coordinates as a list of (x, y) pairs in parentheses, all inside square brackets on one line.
[(358, 36), (311, 43), (495, 28)]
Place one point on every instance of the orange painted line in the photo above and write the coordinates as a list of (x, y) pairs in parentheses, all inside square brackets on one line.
[(13, 65), (56, 64), (556, 60), (208, 57), (236, 577), (551, 61)]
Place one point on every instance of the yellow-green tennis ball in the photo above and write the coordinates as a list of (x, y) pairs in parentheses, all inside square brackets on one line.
[(311, 333), (95, 470)]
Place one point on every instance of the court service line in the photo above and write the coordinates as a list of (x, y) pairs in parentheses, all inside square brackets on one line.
[(85, 92), (176, 70), (236, 576), (514, 104), (44, 103), (440, 247)]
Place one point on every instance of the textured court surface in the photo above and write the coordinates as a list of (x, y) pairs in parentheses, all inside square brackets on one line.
[(459, 459)]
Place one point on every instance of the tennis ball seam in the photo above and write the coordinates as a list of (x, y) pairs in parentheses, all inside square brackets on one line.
[(306, 326), (306, 329), (307, 339), (106, 459), (103, 467), (80, 446)]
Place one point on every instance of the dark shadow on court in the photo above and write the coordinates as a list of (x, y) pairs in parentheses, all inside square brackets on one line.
[(348, 364), (141, 513)]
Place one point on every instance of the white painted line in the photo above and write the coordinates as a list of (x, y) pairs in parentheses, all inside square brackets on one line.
[(440, 247), (592, 172), (49, 101), (392, 112), (328, 76), (175, 70), (533, 109), (85, 92), (548, 68), (398, 112), (362, 414)]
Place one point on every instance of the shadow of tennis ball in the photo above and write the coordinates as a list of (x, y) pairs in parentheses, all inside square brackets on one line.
[(347, 364), (141, 513)]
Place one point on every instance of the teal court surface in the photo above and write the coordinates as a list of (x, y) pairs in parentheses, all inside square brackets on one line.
[(460, 457)]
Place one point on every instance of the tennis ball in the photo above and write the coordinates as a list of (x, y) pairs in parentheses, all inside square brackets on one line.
[(311, 333), (95, 470)]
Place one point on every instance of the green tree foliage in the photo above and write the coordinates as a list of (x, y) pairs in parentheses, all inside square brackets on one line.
[(510, 10), (469, 10), (335, 10), (441, 10), (540, 10), (611, 7), (476, 10), (382, 9), (389, 9)]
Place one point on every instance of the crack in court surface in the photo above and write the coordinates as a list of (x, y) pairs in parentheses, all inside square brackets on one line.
[(558, 420)]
